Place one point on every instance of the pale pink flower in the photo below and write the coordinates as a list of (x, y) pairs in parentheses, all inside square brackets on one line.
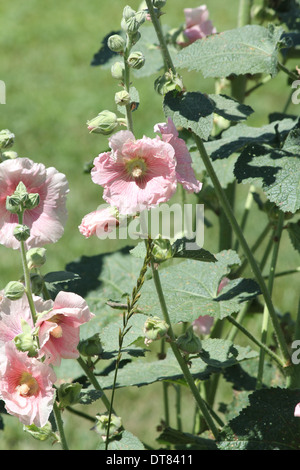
[(98, 222), (46, 221), (184, 170), (26, 386), (12, 312), (136, 174), (203, 324), (59, 328), (297, 410), (197, 25)]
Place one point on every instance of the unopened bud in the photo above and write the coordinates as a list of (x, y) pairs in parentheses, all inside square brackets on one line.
[(8, 155), (69, 394), (155, 328), (162, 249), (168, 82), (104, 123), (21, 232), (116, 43), (122, 98), (117, 70), (27, 340), (7, 139), (189, 342), (128, 12), (14, 290), (91, 346), (101, 425), (136, 60), (36, 257)]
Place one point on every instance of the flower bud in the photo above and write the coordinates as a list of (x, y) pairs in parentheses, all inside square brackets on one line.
[(14, 290), (102, 424), (168, 82), (7, 139), (8, 155), (36, 257), (155, 328), (27, 340), (136, 60), (104, 123), (91, 346), (117, 70), (162, 249), (116, 43), (128, 12), (159, 3), (21, 232), (122, 98), (69, 394), (189, 342), (37, 283)]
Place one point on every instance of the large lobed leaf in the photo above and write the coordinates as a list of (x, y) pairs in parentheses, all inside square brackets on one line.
[(250, 49), (268, 423), (191, 290), (277, 171)]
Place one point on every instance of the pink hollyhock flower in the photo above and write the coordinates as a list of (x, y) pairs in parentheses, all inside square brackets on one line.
[(59, 328), (98, 222), (297, 410), (184, 171), (203, 324), (136, 174), (222, 284), (26, 386), (46, 221), (197, 25)]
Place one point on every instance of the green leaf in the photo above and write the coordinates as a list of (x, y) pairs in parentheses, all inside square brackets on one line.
[(60, 280), (191, 110), (217, 354), (236, 137), (89, 396), (104, 277), (191, 289), (229, 108), (123, 441), (277, 172), (251, 49), (294, 234), (183, 440), (268, 423)]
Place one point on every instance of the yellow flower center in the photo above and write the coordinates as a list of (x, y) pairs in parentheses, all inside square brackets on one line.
[(28, 385), (57, 332), (136, 167)]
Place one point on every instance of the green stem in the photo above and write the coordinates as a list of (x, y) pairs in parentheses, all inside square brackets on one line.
[(60, 427), (163, 46), (265, 321), (292, 75), (247, 208), (239, 234), (261, 345), (127, 84), (27, 276), (90, 375), (187, 375)]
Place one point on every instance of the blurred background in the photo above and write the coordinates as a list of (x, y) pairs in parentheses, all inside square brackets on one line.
[(46, 49)]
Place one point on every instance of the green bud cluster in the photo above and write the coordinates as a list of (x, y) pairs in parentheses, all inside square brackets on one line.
[(168, 82), (188, 342), (7, 139), (27, 340), (91, 346), (104, 123), (69, 394), (36, 257), (102, 424), (21, 200), (154, 329)]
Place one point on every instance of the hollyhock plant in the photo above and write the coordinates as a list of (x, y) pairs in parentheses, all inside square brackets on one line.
[(26, 386), (197, 25), (184, 171), (136, 174), (46, 221), (59, 327), (99, 222)]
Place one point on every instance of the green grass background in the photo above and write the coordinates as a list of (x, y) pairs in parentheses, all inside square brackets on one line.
[(51, 91)]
